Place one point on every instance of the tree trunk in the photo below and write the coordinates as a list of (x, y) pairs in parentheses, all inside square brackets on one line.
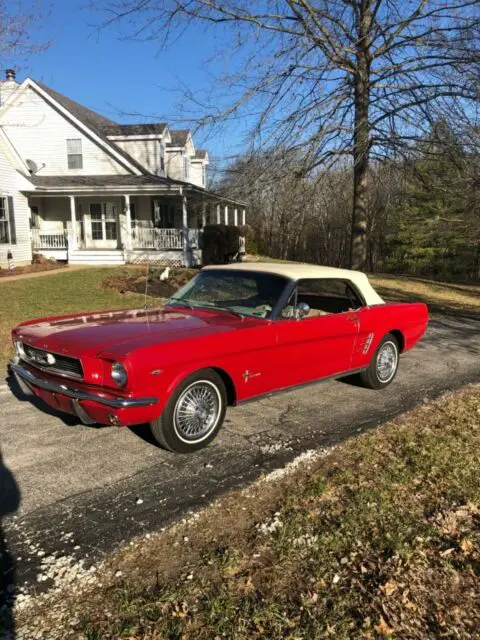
[(361, 139)]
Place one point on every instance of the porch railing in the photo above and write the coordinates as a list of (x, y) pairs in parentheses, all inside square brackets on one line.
[(157, 238), (42, 240)]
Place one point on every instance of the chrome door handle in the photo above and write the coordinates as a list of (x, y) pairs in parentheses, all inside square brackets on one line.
[(353, 319)]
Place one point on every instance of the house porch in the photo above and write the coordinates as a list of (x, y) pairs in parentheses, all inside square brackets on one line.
[(114, 229)]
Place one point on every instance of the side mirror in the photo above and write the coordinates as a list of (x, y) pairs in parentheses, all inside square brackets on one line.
[(302, 310)]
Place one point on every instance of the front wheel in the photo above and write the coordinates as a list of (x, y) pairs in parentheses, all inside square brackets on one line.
[(384, 365), (193, 414)]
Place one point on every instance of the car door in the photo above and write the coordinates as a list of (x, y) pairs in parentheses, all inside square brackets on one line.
[(322, 343)]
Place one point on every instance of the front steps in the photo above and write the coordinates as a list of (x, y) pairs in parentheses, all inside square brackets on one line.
[(96, 256)]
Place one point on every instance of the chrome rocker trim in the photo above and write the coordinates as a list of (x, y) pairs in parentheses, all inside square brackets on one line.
[(25, 376)]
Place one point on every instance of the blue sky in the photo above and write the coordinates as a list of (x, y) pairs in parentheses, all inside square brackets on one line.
[(111, 76)]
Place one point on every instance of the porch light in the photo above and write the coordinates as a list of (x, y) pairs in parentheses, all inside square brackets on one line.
[(119, 374)]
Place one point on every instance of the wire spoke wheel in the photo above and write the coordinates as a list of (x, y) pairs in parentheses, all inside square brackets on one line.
[(197, 411), (387, 361)]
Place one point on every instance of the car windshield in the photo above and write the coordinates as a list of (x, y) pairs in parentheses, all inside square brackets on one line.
[(245, 293)]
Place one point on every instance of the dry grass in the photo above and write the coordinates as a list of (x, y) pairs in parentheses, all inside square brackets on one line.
[(380, 539), (443, 297)]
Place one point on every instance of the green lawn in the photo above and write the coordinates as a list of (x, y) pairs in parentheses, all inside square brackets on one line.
[(60, 293)]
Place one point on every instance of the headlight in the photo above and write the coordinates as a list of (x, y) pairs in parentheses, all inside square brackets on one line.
[(119, 374), (18, 344)]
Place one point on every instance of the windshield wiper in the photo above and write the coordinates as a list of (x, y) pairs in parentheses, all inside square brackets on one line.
[(212, 305), (177, 302)]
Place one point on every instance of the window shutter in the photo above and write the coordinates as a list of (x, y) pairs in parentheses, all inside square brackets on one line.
[(11, 220)]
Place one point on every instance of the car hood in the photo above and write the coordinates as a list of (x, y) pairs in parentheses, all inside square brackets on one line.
[(124, 331)]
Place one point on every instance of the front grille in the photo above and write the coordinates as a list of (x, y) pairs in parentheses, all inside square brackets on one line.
[(53, 362)]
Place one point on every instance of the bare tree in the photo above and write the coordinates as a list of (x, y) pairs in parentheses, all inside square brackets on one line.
[(18, 22), (330, 78)]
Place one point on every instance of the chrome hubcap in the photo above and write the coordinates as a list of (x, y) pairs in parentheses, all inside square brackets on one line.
[(197, 411), (387, 360)]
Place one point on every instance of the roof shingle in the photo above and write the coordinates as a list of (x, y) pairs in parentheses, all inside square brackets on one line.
[(179, 138), (135, 129)]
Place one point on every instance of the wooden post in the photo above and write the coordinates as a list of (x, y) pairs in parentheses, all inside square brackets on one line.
[(218, 214), (185, 231), (73, 235), (244, 217), (235, 217), (226, 214), (128, 223), (204, 214)]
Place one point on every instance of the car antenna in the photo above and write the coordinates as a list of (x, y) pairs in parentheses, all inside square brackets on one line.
[(146, 286)]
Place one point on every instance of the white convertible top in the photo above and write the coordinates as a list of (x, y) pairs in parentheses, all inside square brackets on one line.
[(298, 271)]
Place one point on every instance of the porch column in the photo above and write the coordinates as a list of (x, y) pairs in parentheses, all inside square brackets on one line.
[(244, 217), (185, 230), (226, 214), (128, 223), (204, 215), (73, 235), (235, 217), (218, 214)]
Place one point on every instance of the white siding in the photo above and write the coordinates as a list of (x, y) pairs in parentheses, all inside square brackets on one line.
[(174, 165), (146, 152), (10, 183), (196, 173), (39, 132)]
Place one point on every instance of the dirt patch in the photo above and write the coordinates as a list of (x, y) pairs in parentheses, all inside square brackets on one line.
[(157, 288), (31, 268)]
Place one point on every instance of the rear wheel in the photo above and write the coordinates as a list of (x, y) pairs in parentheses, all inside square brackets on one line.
[(384, 365), (193, 414)]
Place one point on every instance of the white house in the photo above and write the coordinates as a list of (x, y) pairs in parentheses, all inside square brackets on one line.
[(77, 186)]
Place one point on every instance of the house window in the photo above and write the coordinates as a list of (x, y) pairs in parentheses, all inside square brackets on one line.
[(35, 218), (103, 216), (186, 164), (96, 218), (133, 218), (163, 215), (74, 153), (110, 221), (4, 230), (161, 157)]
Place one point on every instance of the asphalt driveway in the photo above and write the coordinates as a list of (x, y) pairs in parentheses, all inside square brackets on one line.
[(85, 490)]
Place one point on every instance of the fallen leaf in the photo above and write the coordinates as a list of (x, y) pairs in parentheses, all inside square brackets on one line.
[(382, 628), (466, 546), (389, 587)]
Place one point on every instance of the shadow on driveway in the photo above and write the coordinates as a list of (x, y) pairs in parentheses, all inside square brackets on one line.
[(67, 419), (9, 503)]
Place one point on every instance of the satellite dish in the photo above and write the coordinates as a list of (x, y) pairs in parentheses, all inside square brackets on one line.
[(32, 165)]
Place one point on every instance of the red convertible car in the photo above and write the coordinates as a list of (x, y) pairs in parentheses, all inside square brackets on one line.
[(232, 333)]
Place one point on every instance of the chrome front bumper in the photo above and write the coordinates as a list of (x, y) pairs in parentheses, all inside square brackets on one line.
[(25, 376)]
